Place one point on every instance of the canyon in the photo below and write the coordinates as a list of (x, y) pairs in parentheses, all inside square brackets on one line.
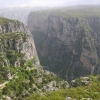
[(67, 40), (53, 55)]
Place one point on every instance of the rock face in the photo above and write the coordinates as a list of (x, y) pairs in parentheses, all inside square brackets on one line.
[(67, 42), (16, 47), (82, 81), (22, 44), (19, 64)]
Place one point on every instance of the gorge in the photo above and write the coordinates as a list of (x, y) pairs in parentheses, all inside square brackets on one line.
[(67, 40), (54, 56)]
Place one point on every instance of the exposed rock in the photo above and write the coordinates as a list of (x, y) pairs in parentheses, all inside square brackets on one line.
[(68, 98), (7, 98), (16, 47), (25, 46), (86, 99), (82, 81), (17, 63)]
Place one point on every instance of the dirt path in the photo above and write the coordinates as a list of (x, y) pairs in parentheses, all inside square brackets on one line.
[(3, 85)]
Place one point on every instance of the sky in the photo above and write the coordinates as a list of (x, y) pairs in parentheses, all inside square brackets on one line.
[(48, 3)]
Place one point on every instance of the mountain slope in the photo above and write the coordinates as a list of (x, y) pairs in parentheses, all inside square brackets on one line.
[(16, 46), (90, 92), (17, 37), (20, 71), (67, 40)]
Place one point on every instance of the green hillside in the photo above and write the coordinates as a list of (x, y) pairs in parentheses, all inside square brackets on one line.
[(19, 77), (91, 91)]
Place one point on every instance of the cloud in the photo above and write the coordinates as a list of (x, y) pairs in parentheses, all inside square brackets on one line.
[(50, 3), (46, 3), (11, 3)]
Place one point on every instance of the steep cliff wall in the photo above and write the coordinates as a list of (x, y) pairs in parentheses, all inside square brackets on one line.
[(67, 41), (16, 47), (20, 71), (25, 43)]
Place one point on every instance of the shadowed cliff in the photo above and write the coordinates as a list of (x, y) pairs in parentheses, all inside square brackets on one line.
[(67, 40)]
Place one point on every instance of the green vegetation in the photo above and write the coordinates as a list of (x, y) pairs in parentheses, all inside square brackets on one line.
[(26, 81), (91, 91), (73, 12), (4, 22), (9, 55), (29, 81), (20, 78), (25, 77)]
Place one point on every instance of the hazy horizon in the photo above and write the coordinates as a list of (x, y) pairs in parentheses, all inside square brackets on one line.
[(45, 3)]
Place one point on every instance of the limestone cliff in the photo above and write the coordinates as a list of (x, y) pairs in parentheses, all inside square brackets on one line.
[(16, 47), (22, 44), (20, 72), (67, 41)]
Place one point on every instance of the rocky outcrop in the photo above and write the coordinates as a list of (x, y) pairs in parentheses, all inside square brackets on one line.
[(24, 43), (82, 81), (67, 44), (16, 47)]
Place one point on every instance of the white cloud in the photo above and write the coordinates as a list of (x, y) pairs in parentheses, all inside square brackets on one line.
[(50, 3), (54, 3), (45, 3)]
